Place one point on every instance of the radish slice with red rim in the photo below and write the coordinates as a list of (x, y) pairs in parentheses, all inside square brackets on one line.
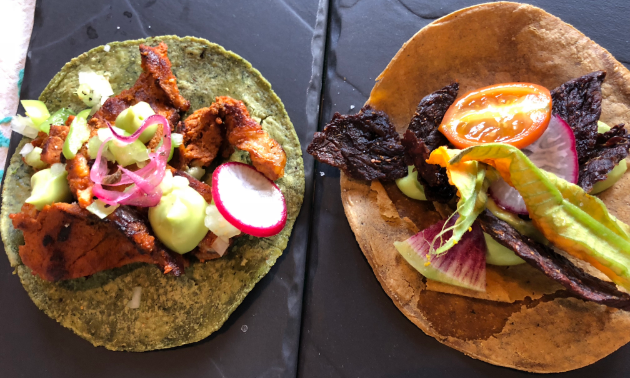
[(554, 152), (462, 265), (248, 200)]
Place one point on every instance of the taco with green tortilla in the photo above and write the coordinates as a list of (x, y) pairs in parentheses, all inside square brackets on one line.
[(485, 183), (157, 182)]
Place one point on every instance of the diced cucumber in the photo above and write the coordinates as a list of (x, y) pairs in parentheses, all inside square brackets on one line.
[(132, 118), (128, 154), (78, 134), (36, 111), (49, 186), (33, 158), (57, 118)]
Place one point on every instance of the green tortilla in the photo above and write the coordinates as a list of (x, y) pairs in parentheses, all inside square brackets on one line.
[(173, 310)]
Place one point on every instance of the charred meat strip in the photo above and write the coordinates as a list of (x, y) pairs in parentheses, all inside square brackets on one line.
[(150, 88), (213, 130), (429, 115), (579, 103), (52, 146), (246, 134), (422, 137), (155, 61), (554, 265), (610, 148), (365, 146), (64, 241)]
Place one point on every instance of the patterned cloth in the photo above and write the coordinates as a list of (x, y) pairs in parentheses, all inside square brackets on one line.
[(16, 24)]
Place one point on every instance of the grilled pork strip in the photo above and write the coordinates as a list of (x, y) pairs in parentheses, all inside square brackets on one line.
[(64, 241)]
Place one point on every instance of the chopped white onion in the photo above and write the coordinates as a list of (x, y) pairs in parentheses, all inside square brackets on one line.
[(27, 149), (177, 139), (24, 126), (219, 226), (220, 245), (135, 298), (98, 84), (107, 48), (101, 209), (196, 172)]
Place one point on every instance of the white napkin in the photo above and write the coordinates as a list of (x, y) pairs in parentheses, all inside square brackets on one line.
[(16, 24)]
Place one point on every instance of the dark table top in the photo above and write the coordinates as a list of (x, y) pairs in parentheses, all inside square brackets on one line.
[(276, 39), (346, 325), (351, 328)]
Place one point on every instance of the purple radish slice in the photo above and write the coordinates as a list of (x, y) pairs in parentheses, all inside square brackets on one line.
[(554, 152), (463, 265), (248, 200)]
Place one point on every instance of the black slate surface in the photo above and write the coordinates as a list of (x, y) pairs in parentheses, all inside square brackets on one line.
[(350, 327), (284, 40)]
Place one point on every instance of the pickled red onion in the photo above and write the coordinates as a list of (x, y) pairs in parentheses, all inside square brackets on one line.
[(145, 192)]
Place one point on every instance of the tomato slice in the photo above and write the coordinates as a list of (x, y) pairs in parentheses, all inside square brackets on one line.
[(512, 113)]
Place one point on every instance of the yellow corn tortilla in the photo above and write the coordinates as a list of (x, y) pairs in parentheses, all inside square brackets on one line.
[(524, 320)]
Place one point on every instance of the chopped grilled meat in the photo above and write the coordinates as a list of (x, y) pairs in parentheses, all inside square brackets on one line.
[(52, 146), (365, 146), (422, 137), (554, 265), (155, 61), (79, 177), (156, 86), (64, 241), (207, 130), (610, 148), (433, 178), (579, 103), (39, 140), (203, 137), (246, 134)]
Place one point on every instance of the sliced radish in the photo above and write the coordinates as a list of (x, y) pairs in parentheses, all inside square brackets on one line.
[(463, 265), (248, 200), (554, 152)]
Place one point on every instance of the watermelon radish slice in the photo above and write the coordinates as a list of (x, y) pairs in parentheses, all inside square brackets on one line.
[(554, 152), (463, 265), (248, 200)]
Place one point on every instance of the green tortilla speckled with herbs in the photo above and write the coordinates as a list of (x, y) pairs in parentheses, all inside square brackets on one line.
[(173, 310)]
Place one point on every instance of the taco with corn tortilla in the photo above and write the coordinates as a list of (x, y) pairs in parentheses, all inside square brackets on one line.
[(550, 306), (120, 220)]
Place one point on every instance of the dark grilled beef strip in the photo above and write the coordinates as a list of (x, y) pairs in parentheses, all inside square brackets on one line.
[(579, 103), (610, 148), (554, 265), (365, 146), (422, 137)]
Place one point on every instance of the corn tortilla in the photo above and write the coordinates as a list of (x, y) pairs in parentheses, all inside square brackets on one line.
[(526, 324), (173, 310)]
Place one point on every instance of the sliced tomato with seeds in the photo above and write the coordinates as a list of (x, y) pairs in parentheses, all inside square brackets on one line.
[(512, 113)]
